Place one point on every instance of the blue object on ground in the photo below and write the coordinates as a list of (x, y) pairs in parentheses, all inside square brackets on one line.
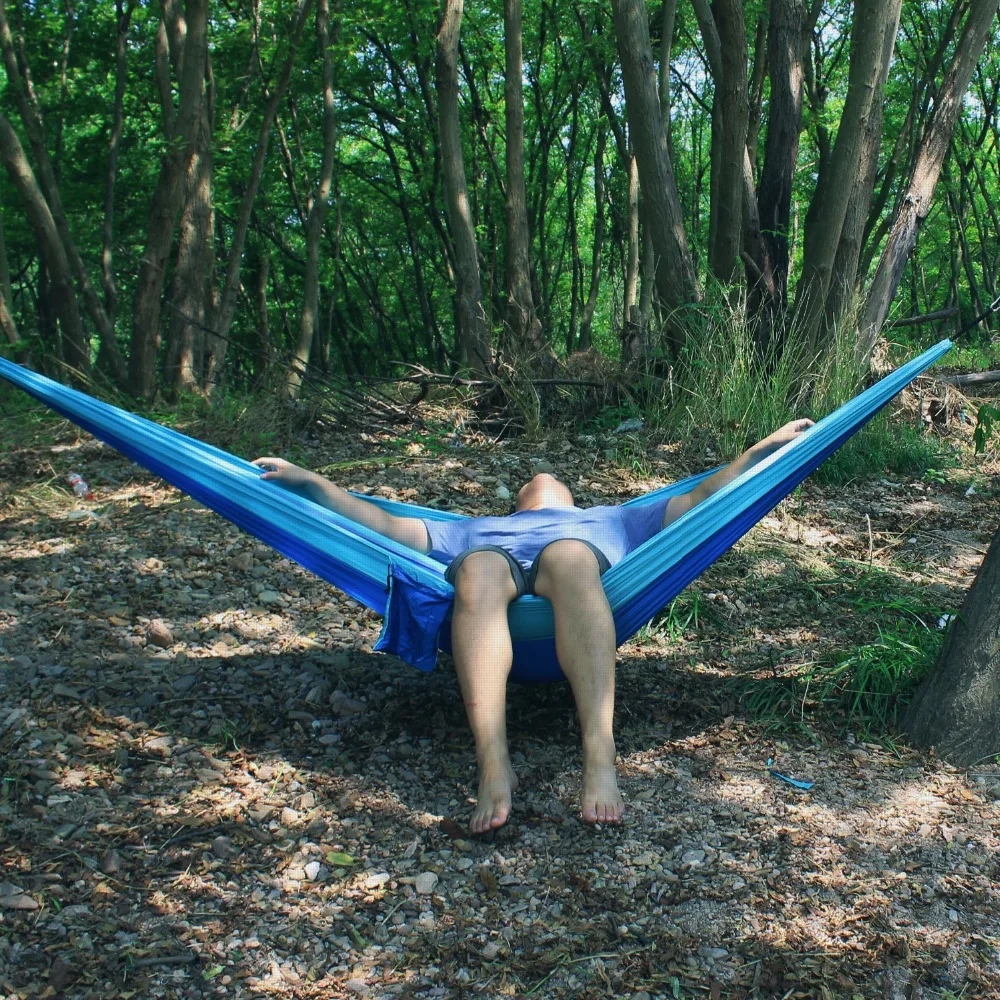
[(409, 588), (794, 782)]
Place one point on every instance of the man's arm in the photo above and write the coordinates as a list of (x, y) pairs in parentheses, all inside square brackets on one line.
[(409, 531), (682, 504)]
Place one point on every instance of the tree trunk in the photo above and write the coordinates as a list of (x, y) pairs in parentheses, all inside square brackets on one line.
[(587, 318), (844, 280), (786, 59), (832, 196), (62, 297), (470, 319), (222, 323), (167, 198), (7, 325), (916, 203), (309, 320), (631, 294), (675, 276), (31, 118), (191, 285), (731, 107), (5, 286), (522, 316), (957, 708)]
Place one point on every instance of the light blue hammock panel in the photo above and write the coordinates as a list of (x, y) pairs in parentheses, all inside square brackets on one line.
[(408, 588)]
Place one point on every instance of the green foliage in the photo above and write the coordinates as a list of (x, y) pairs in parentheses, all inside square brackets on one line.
[(864, 689), (985, 419)]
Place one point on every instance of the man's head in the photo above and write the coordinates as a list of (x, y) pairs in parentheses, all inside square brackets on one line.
[(543, 490)]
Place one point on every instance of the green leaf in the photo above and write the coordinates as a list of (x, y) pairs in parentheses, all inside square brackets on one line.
[(212, 972), (339, 858)]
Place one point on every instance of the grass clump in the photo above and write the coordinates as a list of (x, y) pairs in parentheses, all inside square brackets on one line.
[(864, 689)]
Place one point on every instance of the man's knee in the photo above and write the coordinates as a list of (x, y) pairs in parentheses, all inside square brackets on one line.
[(569, 561), (483, 577)]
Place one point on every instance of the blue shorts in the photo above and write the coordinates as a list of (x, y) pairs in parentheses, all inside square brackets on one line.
[(524, 580)]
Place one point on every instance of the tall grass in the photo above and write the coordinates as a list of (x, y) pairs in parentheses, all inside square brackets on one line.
[(723, 396)]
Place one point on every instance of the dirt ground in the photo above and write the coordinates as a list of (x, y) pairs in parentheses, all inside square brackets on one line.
[(213, 787)]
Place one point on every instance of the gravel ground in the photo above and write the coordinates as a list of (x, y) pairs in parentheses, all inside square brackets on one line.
[(212, 786)]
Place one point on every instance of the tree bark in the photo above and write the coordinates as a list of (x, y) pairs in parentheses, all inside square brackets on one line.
[(320, 205), (191, 284), (587, 318), (916, 203), (62, 297), (957, 708), (470, 318), (5, 286), (522, 315), (7, 324), (675, 276), (167, 198), (226, 310), (786, 60), (844, 279), (829, 209)]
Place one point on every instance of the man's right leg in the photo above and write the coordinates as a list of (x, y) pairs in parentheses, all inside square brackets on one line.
[(483, 654)]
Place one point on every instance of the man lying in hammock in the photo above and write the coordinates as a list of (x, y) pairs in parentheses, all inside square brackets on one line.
[(552, 548)]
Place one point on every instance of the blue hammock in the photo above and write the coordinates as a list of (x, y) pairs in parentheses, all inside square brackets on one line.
[(407, 587)]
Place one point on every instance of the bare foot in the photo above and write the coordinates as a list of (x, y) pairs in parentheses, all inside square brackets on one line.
[(497, 782), (600, 800)]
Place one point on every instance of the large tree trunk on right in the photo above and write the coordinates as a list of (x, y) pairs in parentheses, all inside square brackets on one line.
[(957, 708), (675, 277), (470, 317), (934, 145), (522, 316), (167, 198), (62, 297)]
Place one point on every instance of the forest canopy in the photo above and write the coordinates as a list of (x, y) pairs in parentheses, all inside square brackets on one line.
[(196, 191)]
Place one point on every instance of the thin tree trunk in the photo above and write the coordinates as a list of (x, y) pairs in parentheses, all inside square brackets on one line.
[(667, 17), (675, 276), (61, 295), (632, 267), (309, 319), (191, 285), (124, 17), (7, 324), (916, 203), (587, 318), (31, 118), (957, 708), (5, 286), (844, 279), (167, 198), (522, 315), (470, 319), (223, 320), (832, 196), (786, 49)]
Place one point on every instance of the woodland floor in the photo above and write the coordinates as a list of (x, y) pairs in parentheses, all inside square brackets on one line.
[(213, 787)]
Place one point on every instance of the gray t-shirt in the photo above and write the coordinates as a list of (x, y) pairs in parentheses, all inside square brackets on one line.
[(615, 530)]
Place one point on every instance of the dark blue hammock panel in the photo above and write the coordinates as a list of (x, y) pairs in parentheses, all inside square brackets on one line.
[(407, 587)]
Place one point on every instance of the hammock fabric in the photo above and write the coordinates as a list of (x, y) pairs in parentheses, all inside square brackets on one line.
[(407, 587)]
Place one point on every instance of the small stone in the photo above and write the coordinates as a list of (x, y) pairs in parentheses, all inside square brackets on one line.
[(540, 465), (490, 950), (242, 562), (223, 847), (425, 882), (313, 871), (289, 817), (358, 986), (185, 683), (13, 897), (157, 634), (111, 862), (377, 880), (308, 801), (641, 995), (713, 954), (502, 492), (270, 597), (693, 858)]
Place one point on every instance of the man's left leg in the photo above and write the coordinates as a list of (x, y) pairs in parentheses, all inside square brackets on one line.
[(569, 576)]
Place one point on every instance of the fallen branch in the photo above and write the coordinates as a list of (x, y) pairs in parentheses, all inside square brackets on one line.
[(972, 378), (931, 317)]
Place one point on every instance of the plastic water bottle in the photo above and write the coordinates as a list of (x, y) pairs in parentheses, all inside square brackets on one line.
[(79, 487)]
